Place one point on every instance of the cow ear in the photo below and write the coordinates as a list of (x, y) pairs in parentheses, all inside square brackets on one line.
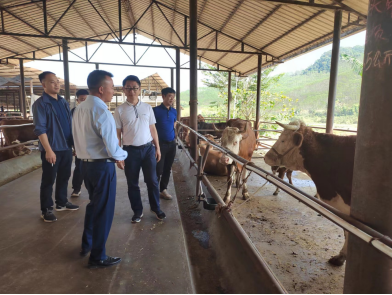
[(298, 138)]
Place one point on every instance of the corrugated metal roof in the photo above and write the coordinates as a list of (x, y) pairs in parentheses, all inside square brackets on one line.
[(280, 30)]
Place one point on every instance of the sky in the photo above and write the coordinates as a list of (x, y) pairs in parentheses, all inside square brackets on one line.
[(112, 53)]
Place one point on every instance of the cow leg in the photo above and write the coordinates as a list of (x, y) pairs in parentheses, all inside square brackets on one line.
[(288, 174), (245, 193), (227, 197), (338, 260), (282, 172)]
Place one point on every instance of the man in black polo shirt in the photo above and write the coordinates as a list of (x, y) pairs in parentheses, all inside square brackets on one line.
[(166, 118)]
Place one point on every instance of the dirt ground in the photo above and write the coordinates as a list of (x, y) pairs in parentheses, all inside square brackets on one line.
[(295, 241)]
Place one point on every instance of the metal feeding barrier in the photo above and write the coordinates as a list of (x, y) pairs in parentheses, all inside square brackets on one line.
[(367, 234)]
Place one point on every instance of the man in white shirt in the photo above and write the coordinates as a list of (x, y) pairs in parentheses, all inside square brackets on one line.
[(95, 141), (135, 121)]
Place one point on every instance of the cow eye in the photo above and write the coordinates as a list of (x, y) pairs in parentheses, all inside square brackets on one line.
[(282, 140)]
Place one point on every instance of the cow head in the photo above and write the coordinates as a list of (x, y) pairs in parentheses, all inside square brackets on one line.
[(231, 138), (285, 151)]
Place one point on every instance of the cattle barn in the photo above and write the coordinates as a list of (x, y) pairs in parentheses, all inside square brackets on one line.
[(197, 250)]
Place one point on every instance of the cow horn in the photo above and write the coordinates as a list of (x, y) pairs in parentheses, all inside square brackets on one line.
[(288, 126), (216, 129)]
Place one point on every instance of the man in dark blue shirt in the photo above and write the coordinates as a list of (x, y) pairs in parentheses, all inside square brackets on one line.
[(166, 118), (52, 120)]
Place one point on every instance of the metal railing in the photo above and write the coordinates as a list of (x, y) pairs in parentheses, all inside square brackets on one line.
[(355, 227)]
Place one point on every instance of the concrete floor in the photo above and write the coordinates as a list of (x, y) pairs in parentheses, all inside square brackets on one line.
[(38, 257)]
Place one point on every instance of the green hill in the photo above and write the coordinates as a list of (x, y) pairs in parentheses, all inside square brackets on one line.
[(205, 95), (310, 87)]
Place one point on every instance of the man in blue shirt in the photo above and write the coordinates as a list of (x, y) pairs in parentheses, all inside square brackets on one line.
[(96, 145), (166, 118), (52, 120), (77, 178)]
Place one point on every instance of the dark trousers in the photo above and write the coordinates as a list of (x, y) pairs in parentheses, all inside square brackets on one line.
[(142, 158), (168, 152), (59, 173), (77, 178), (100, 182)]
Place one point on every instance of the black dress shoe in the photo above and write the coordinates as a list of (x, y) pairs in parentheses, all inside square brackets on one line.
[(84, 253), (109, 261)]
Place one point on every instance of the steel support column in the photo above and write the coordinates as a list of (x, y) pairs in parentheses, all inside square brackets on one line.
[(333, 76), (97, 66), (367, 270), (259, 63), (172, 78), (228, 95), (178, 88), (66, 70), (193, 75), (22, 96)]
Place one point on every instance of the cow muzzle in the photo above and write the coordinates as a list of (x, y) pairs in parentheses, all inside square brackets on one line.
[(225, 160)]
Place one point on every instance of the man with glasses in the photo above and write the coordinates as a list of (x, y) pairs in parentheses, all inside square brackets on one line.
[(166, 118), (135, 122)]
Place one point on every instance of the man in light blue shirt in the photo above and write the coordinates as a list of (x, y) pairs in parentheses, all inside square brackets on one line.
[(96, 145)]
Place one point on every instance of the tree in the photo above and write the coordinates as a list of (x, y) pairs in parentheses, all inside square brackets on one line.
[(273, 106), (356, 65)]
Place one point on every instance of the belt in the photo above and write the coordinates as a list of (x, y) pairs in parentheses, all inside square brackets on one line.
[(139, 146), (99, 160)]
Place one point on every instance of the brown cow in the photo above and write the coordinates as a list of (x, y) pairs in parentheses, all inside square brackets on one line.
[(22, 133), (281, 172), (183, 133), (239, 138), (14, 152), (328, 159), (213, 165)]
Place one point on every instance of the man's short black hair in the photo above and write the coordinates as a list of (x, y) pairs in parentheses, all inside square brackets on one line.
[(82, 92), (95, 78), (167, 90), (42, 76), (131, 78)]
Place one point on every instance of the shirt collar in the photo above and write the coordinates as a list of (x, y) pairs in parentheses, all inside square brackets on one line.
[(46, 97), (163, 106), (97, 100), (138, 103)]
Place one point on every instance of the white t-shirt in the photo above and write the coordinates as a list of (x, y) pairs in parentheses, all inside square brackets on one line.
[(134, 122)]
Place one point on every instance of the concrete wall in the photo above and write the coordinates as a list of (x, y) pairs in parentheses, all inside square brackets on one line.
[(239, 271), (16, 167)]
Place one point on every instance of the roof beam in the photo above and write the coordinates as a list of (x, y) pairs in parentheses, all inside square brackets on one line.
[(21, 20), (294, 28), (81, 17), (152, 18), (308, 4), (355, 23), (106, 23), (173, 29), (349, 9), (276, 8), (226, 22), (134, 25), (225, 34), (173, 20), (202, 9), (58, 21)]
